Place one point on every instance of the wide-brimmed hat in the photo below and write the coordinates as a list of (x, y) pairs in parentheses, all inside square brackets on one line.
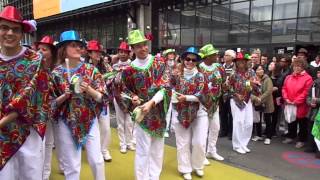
[(168, 51), (12, 14), (136, 36), (191, 50), (208, 50), (94, 45), (68, 36), (48, 40), (124, 46)]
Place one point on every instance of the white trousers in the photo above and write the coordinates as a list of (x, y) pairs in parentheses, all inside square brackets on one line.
[(213, 132), (191, 142), (125, 126), (318, 143), (242, 124), (105, 131), (27, 162), (149, 156), (169, 118), (50, 141), (72, 158)]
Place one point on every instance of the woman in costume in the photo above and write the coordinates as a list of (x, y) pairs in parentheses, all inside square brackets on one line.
[(81, 97)]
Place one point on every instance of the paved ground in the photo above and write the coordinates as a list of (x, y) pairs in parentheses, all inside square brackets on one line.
[(266, 160)]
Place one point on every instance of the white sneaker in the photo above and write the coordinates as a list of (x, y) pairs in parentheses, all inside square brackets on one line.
[(257, 138), (267, 141), (107, 157), (131, 147), (206, 162), (123, 149), (199, 172), (240, 151), (217, 157), (246, 149), (299, 145), (187, 176), (166, 134)]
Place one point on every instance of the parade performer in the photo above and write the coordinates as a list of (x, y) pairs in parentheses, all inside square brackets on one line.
[(145, 82), (215, 76), (242, 84), (189, 115), (81, 97), (24, 96), (123, 117), (171, 64), (94, 54)]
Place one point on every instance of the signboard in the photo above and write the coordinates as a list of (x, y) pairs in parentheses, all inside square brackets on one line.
[(45, 8)]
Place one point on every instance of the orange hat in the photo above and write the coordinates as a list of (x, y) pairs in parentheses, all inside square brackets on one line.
[(12, 14)]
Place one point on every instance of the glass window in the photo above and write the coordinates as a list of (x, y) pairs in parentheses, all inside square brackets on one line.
[(308, 30), (309, 8), (284, 9), (187, 37), (187, 19), (173, 19), (238, 34), (204, 17), (260, 32), (220, 13), (240, 12), (283, 31), (261, 10), (202, 36)]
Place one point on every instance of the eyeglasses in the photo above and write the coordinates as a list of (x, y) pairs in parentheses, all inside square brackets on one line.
[(15, 30), (190, 59)]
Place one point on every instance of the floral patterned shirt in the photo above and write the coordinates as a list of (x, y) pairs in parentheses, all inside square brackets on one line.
[(79, 111), (24, 89), (145, 83)]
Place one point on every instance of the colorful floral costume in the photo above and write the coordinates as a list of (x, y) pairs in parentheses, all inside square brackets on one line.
[(187, 111), (79, 111), (214, 78), (240, 83), (145, 83), (25, 90)]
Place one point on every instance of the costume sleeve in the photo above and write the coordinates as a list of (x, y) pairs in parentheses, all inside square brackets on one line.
[(32, 101), (285, 88), (192, 98)]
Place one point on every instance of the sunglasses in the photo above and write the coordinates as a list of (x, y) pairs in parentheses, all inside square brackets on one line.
[(190, 59)]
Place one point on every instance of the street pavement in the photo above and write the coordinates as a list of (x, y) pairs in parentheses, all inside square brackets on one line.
[(276, 161)]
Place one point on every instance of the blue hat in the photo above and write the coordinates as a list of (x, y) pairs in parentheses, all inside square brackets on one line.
[(68, 36), (191, 50)]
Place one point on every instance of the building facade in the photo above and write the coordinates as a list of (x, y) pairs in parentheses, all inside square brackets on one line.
[(274, 26)]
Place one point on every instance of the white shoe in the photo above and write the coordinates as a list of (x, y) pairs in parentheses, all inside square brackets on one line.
[(267, 141), (299, 145), (166, 134), (217, 157), (240, 151), (187, 176), (206, 162), (123, 149), (131, 147), (257, 138), (107, 157), (199, 172), (247, 150)]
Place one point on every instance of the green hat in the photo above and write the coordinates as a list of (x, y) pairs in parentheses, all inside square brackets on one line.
[(208, 50), (167, 51), (135, 37)]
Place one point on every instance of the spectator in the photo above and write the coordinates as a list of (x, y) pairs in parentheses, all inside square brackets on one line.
[(264, 62), (316, 62), (255, 58), (294, 92)]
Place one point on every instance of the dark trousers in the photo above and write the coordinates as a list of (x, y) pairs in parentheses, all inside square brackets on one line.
[(270, 124), (225, 118), (275, 116), (257, 127), (303, 129)]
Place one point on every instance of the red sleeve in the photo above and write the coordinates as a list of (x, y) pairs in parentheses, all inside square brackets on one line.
[(302, 97), (285, 88)]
